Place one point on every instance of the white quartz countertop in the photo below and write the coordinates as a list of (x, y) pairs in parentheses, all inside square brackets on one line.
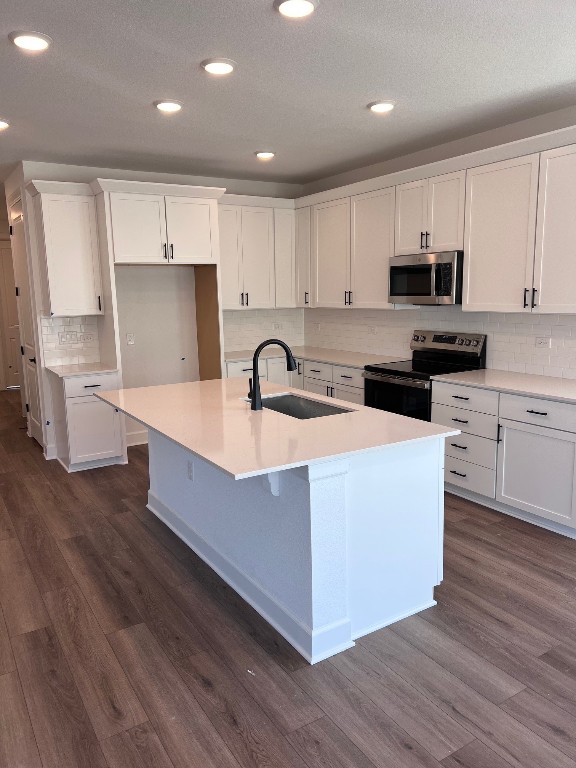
[(213, 421), (319, 354), (79, 369), (530, 384)]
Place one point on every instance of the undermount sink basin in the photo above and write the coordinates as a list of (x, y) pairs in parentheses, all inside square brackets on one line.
[(301, 407)]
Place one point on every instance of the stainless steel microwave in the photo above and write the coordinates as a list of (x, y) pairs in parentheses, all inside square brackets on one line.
[(426, 278)]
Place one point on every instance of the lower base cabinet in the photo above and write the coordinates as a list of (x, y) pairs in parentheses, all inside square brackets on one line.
[(94, 430), (537, 471)]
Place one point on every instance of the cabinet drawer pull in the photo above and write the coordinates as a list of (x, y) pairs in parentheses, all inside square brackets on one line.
[(245, 370), (462, 447), (538, 413), (315, 370), (460, 397), (343, 376), (461, 421), (92, 386), (460, 474)]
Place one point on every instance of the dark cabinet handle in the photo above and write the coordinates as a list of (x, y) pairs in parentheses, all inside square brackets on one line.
[(345, 298), (498, 439), (172, 251), (99, 304), (526, 292), (538, 413), (534, 292), (460, 474), (32, 359), (242, 299), (427, 236), (460, 421), (165, 246), (315, 370), (306, 300), (92, 386), (247, 369), (460, 397), (299, 369), (331, 391), (247, 300), (350, 298), (343, 376), (422, 246), (462, 447)]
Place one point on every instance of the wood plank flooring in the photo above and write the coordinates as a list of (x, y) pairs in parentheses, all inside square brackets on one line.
[(119, 648)]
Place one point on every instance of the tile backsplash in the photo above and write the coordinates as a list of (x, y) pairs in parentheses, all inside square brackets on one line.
[(511, 343), (245, 329), (70, 340)]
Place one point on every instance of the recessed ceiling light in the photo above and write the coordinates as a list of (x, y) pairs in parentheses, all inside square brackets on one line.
[(265, 155), (295, 9), (4, 124), (381, 107), (218, 66), (30, 41), (169, 106)]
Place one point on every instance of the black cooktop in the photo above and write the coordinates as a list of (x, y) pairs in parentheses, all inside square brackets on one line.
[(415, 369)]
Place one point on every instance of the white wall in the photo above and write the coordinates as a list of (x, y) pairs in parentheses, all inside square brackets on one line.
[(510, 344), (245, 329)]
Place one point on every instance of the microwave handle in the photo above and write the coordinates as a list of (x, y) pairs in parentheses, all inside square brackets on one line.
[(433, 278)]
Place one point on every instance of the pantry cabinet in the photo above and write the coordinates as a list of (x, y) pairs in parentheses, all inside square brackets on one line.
[(303, 248), (554, 261), (500, 229), (430, 214), (67, 241)]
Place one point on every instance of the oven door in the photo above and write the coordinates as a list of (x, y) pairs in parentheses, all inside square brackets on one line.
[(398, 394)]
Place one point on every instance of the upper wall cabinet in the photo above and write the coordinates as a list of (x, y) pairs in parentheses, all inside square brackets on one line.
[(555, 262), (247, 257), (430, 214), (285, 257), (331, 253), (303, 244), (500, 229), (67, 242), (161, 223)]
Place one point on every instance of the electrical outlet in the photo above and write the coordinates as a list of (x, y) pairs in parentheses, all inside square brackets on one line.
[(85, 337), (276, 326), (543, 342), (67, 337), (190, 471), (372, 330), (130, 339)]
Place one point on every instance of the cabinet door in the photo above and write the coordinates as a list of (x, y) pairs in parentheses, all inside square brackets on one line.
[(330, 253), (536, 471), (500, 227), (446, 195), (284, 257), (297, 376), (93, 430), (257, 266), (230, 219), (555, 260), (372, 248), (71, 251), (277, 371), (349, 394), (411, 217), (318, 387), (189, 223), (303, 244), (138, 228)]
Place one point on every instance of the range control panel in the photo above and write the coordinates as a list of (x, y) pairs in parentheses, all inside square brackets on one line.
[(457, 342)]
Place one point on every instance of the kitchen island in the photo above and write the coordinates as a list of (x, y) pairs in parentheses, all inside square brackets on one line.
[(329, 527)]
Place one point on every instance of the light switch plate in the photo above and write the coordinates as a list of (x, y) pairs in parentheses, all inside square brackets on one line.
[(130, 339), (85, 337)]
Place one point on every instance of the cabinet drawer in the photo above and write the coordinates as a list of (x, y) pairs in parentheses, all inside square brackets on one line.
[(351, 377), (481, 424), (80, 386), (470, 476), (476, 450), (322, 371), (244, 368), (471, 398), (349, 394), (544, 413)]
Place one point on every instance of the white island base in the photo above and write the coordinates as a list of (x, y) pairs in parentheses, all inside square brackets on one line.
[(326, 552)]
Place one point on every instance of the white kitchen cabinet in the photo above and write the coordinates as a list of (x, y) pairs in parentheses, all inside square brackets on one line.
[(555, 258), (243, 368), (303, 255), (430, 214), (350, 394), (372, 232), (284, 257), (68, 242), (277, 371), (500, 228), (537, 471), (94, 430), (247, 257), (297, 376), (331, 254), (162, 229), (317, 387)]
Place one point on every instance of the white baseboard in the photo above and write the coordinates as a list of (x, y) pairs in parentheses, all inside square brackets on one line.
[(70, 468), (137, 438)]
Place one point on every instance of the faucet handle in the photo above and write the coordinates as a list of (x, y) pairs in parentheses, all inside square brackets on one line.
[(250, 388)]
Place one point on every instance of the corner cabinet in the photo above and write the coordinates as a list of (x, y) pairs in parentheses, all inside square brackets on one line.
[(430, 214), (161, 223), (67, 243)]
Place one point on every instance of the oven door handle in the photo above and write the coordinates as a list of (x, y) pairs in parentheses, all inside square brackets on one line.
[(398, 380)]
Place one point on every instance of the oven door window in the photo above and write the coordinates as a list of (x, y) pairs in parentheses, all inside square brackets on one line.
[(411, 281), (398, 398)]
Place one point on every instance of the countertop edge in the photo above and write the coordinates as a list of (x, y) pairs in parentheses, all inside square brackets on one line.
[(452, 378)]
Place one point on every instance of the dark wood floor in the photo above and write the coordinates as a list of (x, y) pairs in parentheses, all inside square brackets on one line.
[(119, 648)]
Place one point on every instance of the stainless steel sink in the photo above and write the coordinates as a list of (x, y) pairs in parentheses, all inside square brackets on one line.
[(301, 407)]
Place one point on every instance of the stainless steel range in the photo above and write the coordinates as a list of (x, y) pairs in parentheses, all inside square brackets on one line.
[(405, 387)]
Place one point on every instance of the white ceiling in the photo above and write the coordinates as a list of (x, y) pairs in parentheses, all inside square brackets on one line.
[(454, 67)]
